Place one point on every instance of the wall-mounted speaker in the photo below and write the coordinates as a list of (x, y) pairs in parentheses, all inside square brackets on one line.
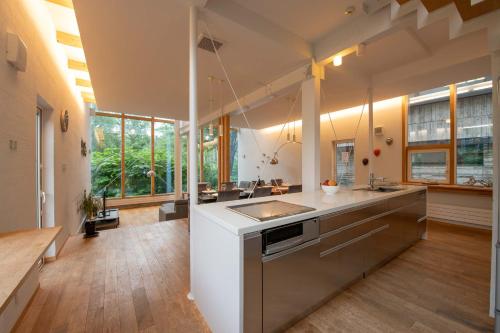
[(16, 52)]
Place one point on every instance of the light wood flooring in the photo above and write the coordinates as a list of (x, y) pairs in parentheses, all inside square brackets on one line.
[(136, 278)]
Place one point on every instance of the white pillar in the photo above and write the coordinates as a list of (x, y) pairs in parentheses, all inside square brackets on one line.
[(310, 131), (494, 36), (177, 160), (193, 105), (371, 159)]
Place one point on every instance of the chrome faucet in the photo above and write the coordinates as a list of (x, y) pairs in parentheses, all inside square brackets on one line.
[(372, 179)]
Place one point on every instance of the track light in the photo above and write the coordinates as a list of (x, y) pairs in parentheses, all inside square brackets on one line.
[(337, 61)]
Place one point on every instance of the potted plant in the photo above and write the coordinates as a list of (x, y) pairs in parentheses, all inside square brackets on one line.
[(89, 205)]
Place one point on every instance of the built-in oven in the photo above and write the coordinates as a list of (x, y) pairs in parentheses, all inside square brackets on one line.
[(290, 273)]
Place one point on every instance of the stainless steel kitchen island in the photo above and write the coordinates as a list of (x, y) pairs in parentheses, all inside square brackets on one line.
[(256, 276)]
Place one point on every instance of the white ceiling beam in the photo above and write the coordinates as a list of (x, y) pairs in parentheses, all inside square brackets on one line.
[(195, 3), (260, 96), (360, 30), (256, 23)]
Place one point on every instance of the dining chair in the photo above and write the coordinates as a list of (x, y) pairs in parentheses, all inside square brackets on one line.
[(228, 195), (295, 188), (227, 186), (202, 187), (262, 192), (277, 182), (244, 184)]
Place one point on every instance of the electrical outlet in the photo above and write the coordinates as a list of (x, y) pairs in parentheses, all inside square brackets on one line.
[(13, 145)]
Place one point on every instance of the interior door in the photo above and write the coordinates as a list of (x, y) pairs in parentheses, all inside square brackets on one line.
[(40, 193)]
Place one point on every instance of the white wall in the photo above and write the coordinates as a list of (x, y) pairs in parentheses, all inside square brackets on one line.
[(386, 113), (45, 80)]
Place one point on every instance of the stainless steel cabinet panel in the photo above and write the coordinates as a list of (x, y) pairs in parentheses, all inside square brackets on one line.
[(405, 200), (252, 283), (343, 263), (291, 285), (340, 236), (384, 242), (338, 220)]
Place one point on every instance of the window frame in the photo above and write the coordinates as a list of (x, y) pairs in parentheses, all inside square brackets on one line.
[(334, 157), (152, 121), (449, 147), (429, 150)]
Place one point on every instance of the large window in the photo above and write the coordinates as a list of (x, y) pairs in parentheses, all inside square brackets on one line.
[(474, 131), (163, 157), (210, 152), (448, 134), (184, 161), (137, 157), (233, 159), (106, 147), (429, 117), (344, 162), (128, 159)]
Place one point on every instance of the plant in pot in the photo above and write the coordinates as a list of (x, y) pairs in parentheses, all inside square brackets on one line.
[(89, 205)]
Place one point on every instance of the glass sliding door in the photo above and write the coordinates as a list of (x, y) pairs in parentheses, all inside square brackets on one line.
[(233, 155), (106, 157), (137, 136), (184, 159), (164, 157), (210, 152)]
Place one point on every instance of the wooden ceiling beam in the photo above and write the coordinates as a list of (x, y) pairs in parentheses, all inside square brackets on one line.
[(64, 3), (83, 83), (77, 65), (68, 39)]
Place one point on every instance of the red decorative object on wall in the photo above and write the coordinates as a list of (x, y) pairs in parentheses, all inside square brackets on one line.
[(376, 151)]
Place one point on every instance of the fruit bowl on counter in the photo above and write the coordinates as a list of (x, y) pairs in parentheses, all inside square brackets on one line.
[(329, 187)]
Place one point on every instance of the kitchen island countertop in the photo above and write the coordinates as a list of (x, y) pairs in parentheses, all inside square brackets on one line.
[(323, 204)]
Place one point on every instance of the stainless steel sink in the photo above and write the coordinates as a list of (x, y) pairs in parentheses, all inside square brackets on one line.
[(381, 189)]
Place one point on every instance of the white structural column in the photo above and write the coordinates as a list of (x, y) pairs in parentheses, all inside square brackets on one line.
[(310, 130), (177, 160), (494, 37), (370, 131), (193, 105)]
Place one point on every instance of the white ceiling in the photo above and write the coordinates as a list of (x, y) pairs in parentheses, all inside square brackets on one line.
[(309, 19), (137, 54), (346, 86)]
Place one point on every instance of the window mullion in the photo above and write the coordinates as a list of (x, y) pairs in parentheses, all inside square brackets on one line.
[(453, 105), (152, 167)]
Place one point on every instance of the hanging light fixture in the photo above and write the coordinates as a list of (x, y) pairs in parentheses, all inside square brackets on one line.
[(221, 128), (211, 105)]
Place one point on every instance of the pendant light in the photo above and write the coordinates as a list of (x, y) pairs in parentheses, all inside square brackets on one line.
[(221, 128), (211, 106)]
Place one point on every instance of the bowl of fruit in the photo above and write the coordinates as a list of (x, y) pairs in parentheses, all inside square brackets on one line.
[(329, 186)]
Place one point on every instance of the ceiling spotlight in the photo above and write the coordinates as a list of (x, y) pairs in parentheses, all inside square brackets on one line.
[(337, 61), (349, 10)]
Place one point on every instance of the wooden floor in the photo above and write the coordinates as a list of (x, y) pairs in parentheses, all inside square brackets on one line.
[(134, 217), (136, 278), (439, 285)]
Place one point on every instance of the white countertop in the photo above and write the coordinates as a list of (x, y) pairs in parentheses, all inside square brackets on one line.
[(324, 204)]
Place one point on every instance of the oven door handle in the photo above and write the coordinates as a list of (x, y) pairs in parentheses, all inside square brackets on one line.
[(278, 255), (288, 244)]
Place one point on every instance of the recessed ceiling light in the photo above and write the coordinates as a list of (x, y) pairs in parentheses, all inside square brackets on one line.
[(337, 61), (349, 10)]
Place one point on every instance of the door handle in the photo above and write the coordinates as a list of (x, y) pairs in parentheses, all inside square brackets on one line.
[(42, 197)]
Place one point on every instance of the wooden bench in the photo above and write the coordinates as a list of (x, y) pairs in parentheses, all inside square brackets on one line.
[(20, 253)]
